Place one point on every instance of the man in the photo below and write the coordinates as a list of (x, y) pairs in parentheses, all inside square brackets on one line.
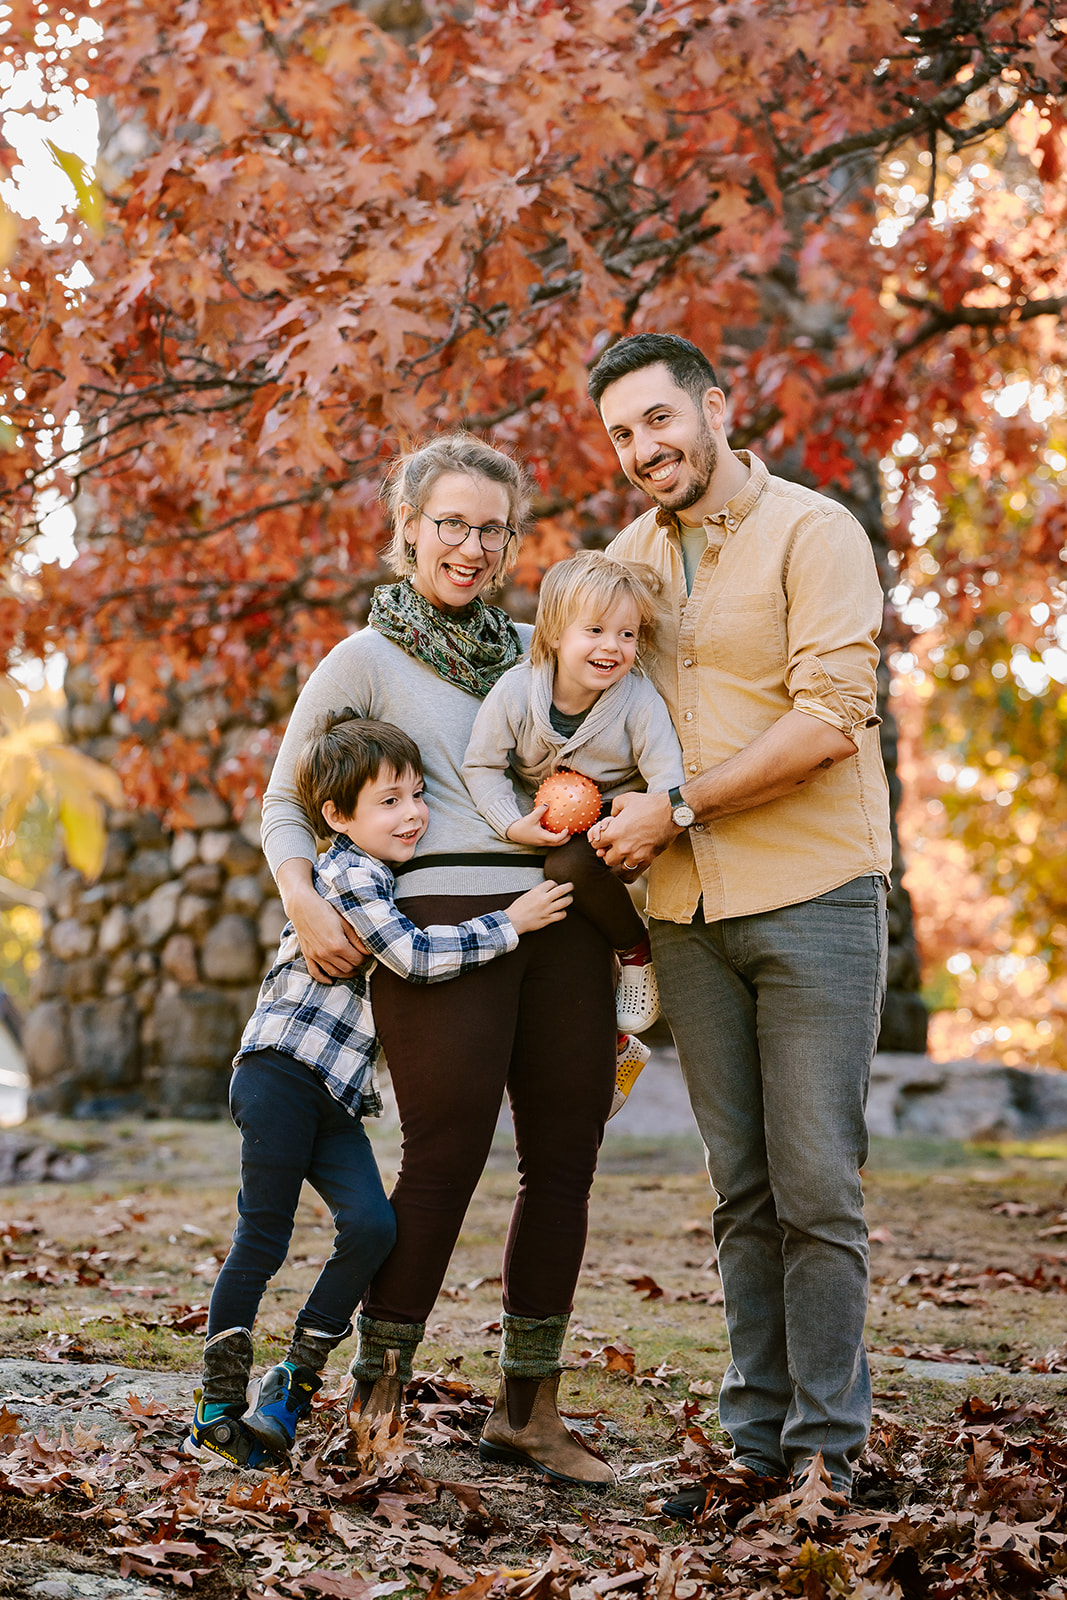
[(767, 889)]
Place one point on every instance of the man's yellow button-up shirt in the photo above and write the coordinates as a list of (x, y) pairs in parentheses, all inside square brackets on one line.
[(783, 616)]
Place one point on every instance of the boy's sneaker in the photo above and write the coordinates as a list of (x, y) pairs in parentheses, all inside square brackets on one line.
[(636, 996), (629, 1062), (284, 1398), (218, 1437)]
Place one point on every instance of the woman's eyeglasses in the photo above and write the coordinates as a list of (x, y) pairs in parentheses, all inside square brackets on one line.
[(492, 536)]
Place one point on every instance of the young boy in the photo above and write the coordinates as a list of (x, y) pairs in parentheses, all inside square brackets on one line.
[(304, 1078), (578, 703)]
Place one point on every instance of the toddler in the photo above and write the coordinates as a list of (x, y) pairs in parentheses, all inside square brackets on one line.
[(304, 1077), (578, 703)]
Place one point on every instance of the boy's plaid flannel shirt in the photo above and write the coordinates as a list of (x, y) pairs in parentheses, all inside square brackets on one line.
[(330, 1026)]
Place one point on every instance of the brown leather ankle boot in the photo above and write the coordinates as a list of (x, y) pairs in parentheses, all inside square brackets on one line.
[(382, 1397), (544, 1442)]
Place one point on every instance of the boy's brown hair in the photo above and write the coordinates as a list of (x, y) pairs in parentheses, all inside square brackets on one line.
[(343, 755), (593, 580)]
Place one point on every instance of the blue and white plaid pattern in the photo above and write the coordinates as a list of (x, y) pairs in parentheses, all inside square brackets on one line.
[(330, 1027)]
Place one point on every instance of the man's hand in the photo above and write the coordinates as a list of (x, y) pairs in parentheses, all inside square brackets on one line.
[(528, 830), (330, 945), (795, 750), (639, 828)]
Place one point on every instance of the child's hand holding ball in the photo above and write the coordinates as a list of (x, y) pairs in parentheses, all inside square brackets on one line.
[(565, 804)]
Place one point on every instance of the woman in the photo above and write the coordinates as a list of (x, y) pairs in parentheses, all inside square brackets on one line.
[(539, 1022)]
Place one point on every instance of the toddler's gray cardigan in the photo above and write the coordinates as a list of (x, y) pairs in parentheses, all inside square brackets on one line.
[(626, 742)]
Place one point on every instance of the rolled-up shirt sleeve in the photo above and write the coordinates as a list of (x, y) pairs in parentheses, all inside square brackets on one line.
[(834, 615)]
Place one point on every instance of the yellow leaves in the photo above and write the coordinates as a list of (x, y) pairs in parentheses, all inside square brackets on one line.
[(34, 761), (816, 1570), (89, 195), (9, 231)]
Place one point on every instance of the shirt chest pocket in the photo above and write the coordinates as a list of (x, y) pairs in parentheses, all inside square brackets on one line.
[(746, 635)]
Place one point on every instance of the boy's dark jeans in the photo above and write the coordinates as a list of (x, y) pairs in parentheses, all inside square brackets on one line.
[(292, 1130)]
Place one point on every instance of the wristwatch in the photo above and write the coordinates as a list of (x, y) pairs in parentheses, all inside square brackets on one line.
[(682, 816)]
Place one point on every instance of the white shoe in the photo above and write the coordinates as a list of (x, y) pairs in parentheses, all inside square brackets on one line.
[(631, 1058), (636, 998)]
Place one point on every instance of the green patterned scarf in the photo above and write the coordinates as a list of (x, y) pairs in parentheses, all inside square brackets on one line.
[(470, 648)]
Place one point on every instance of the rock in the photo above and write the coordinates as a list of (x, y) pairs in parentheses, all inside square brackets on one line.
[(244, 1000), (910, 1094), (199, 1094), (231, 951), (94, 902), (241, 858), (66, 1584), (243, 894), (1049, 1091), (83, 977), (155, 917), (48, 1397), (115, 930), (121, 974), (24, 1159), (179, 959), (184, 851), (105, 1040), (200, 878), (213, 845), (195, 914), (272, 920), (70, 939), (147, 870), (144, 996), (204, 810), (47, 981), (116, 854), (197, 1029), (250, 825), (146, 829), (46, 1040), (63, 888)]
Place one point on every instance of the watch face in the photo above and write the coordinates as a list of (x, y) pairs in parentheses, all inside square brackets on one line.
[(684, 816)]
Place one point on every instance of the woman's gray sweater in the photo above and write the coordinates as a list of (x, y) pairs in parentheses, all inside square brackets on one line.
[(378, 679), (627, 741)]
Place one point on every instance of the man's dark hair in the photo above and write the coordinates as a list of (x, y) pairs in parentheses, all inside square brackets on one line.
[(688, 366), (345, 753)]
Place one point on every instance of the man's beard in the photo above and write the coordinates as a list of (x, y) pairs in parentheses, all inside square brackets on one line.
[(702, 459)]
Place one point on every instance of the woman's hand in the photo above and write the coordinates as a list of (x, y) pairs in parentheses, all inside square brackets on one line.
[(528, 830), (330, 945)]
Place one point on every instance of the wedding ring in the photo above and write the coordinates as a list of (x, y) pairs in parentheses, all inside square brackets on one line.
[(629, 866)]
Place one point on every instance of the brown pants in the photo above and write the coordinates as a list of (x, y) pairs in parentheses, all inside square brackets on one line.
[(601, 897), (538, 1023)]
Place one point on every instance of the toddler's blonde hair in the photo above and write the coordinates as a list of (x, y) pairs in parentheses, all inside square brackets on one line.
[(593, 581)]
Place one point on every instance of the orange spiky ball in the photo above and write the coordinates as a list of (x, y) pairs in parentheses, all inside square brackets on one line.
[(573, 802)]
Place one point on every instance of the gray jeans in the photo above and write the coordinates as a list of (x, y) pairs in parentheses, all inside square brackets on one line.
[(776, 1018)]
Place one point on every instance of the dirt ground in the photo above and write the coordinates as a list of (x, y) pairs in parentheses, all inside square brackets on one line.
[(968, 1257), (969, 1261)]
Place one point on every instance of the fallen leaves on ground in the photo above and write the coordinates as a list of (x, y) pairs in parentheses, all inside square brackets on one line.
[(971, 1507)]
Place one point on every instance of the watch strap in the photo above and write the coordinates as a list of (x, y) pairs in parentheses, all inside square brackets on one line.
[(675, 797)]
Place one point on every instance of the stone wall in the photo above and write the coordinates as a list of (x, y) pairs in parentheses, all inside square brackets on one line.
[(148, 975)]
